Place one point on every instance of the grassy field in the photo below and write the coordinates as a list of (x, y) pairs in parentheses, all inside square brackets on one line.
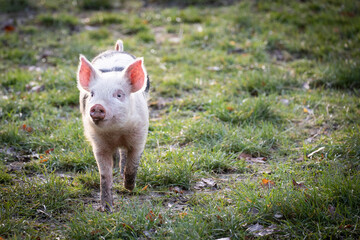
[(254, 129)]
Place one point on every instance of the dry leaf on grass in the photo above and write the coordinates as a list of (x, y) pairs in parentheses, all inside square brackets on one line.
[(308, 110), (26, 128), (298, 185), (250, 159), (176, 190), (205, 183), (267, 183), (259, 231)]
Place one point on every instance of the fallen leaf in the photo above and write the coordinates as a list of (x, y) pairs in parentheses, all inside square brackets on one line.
[(266, 231), (345, 226), (26, 128), (160, 217), (150, 216), (348, 14), (93, 232), (307, 196), (49, 150), (258, 160), (127, 226), (298, 185), (229, 108), (200, 185), (267, 183), (308, 110), (210, 182), (254, 228), (9, 28), (206, 182), (244, 156), (144, 188), (176, 190), (251, 159), (259, 231)]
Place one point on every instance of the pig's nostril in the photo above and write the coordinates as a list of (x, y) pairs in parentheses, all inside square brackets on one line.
[(97, 112)]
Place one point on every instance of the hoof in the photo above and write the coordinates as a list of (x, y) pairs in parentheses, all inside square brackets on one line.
[(105, 208), (129, 186)]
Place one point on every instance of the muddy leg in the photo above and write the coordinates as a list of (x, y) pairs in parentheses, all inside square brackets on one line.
[(132, 164), (116, 158), (123, 157), (105, 164)]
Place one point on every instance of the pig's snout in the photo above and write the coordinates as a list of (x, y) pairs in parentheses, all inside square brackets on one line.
[(97, 113)]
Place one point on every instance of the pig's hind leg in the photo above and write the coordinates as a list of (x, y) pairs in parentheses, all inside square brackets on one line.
[(123, 157), (116, 158), (132, 164)]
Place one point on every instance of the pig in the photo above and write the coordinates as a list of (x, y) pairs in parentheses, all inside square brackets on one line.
[(114, 89)]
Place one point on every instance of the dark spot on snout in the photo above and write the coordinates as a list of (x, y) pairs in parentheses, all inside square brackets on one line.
[(84, 101), (97, 113)]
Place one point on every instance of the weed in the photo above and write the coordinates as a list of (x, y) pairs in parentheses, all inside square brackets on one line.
[(106, 18), (14, 5), (95, 4), (61, 20)]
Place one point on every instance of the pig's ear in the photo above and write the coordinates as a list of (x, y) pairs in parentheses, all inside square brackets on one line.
[(86, 73), (136, 74), (119, 46)]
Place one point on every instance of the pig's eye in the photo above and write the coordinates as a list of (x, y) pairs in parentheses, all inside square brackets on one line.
[(119, 95), (92, 93)]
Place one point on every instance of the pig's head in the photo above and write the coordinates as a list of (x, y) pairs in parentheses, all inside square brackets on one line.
[(108, 100)]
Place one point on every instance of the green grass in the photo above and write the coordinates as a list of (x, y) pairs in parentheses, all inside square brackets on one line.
[(241, 94)]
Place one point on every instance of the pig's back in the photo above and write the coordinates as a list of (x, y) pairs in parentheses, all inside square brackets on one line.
[(112, 61)]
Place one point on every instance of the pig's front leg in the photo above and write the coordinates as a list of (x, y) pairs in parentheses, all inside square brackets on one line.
[(131, 166), (104, 160)]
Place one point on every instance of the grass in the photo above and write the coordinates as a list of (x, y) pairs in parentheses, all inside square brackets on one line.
[(254, 124)]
